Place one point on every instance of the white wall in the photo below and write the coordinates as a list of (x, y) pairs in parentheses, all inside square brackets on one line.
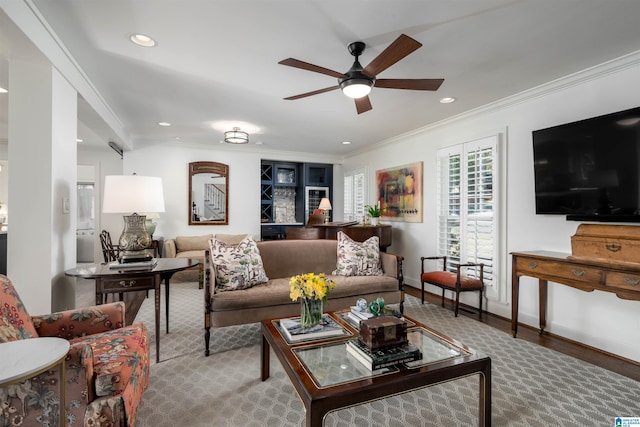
[(598, 319), (102, 161), (171, 163)]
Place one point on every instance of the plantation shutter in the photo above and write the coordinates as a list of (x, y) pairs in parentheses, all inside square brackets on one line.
[(354, 191), (467, 181)]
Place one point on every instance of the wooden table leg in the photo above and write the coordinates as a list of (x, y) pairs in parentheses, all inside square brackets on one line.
[(515, 289), (264, 360), (98, 291), (156, 284), (542, 284), (166, 299), (484, 407)]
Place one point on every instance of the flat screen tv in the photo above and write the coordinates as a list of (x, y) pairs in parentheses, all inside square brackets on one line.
[(589, 170)]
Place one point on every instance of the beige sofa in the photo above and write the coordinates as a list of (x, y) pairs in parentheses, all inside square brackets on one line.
[(283, 259), (194, 247)]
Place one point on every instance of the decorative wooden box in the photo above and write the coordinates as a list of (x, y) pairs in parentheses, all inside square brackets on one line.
[(383, 331), (612, 243)]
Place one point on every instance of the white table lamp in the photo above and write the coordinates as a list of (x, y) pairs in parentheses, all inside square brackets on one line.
[(131, 194), (325, 205)]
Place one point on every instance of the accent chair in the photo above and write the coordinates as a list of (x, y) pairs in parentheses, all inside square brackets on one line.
[(454, 281), (106, 368)]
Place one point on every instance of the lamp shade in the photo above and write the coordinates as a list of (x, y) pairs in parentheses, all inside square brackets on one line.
[(325, 204), (132, 193)]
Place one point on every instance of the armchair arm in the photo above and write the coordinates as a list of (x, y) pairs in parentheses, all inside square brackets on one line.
[(79, 366), (76, 323), (170, 249), (442, 257), (470, 264)]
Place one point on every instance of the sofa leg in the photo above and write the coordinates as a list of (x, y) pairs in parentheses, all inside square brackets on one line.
[(207, 336)]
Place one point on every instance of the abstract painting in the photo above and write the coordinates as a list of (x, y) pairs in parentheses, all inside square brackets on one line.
[(399, 192)]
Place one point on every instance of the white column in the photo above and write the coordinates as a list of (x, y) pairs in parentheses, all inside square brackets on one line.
[(42, 185)]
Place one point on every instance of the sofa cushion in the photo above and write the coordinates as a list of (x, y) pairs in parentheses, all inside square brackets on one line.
[(276, 292), (358, 259), (193, 243), (237, 266), (199, 254)]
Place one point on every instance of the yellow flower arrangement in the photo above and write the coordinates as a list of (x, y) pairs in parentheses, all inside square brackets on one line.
[(310, 286)]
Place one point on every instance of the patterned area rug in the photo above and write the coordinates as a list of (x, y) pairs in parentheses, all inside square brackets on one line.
[(532, 385)]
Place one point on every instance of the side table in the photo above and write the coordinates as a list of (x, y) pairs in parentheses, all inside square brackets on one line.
[(110, 280), (27, 358)]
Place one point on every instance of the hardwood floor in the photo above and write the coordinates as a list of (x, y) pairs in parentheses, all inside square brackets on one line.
[(611, 362)]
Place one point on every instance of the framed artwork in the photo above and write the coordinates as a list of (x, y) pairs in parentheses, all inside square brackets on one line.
[(399, 192)]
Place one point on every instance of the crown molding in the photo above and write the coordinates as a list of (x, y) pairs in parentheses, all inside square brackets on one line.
[(622, 63)]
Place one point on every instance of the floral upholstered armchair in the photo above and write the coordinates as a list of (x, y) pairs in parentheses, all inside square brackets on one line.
[(107, 366)]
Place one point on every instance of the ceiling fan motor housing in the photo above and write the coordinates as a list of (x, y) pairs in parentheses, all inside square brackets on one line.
[(355, 76)]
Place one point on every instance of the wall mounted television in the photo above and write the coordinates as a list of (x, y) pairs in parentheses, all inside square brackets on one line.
[(589, 170)]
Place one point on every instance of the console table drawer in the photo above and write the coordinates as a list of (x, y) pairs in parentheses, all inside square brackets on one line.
[(623, 281), (573, 272), (124, 284)]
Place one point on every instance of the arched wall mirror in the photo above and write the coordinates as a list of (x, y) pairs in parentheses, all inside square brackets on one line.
[(208, 193)]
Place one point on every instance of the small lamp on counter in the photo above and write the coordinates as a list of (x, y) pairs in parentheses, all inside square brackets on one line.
[(325, 205)]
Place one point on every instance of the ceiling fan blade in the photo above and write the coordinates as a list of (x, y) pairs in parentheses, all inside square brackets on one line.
[(401, 47), (411, 84), (295, 63), (315, 92), (363, 104)]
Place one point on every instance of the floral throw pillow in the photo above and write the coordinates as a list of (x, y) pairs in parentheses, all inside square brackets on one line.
[(237, 266), (358, 259)]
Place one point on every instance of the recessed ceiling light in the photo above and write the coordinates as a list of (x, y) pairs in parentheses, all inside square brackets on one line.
[(346, 142), (447, 100), (142, 40), (164, 124), (79, 140), (3, 90)]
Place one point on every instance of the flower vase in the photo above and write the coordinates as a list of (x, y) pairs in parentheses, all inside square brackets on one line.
[(374, 221), (310, 312)]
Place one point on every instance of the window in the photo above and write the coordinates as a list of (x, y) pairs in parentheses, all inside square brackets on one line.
[(354, 191), (467, 197)]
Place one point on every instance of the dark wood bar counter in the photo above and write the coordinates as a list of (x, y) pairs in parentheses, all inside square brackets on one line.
[(357, 232)]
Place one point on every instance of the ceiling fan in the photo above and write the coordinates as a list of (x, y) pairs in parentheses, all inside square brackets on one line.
[(358, 81)]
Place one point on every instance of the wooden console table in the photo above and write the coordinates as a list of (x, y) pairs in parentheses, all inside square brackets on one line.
[(621, 278)]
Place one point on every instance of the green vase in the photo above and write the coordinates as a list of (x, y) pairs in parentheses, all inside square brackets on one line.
[(310, 312)]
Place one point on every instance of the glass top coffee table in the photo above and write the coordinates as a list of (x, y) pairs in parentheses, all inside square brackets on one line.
[(327, 378)]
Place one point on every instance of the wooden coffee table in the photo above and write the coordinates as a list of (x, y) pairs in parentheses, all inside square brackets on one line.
[(327, 378)]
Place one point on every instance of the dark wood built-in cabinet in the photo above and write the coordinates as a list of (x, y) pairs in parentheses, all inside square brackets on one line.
[(285, 180)]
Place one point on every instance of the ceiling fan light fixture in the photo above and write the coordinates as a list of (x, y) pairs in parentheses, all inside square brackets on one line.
[(356, 88), (236, 136)]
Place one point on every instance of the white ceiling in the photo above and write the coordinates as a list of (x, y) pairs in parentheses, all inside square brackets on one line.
[(217, 61)]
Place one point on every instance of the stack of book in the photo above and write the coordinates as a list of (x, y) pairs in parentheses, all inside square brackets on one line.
[(294, 331), (357, 315), (382, 358)]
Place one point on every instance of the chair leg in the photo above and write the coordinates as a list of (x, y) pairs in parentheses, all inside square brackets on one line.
[(457, 304), (480, 305), (422, 294), (443, 297)]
